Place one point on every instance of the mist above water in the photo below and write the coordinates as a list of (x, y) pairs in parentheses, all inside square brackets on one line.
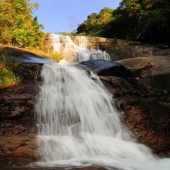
[(78, 124)]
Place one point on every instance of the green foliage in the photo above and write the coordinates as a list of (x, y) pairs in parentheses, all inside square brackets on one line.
[(95, 23), (17, 25), (64, 33), (67, 33), (155, 91), (144, 20), (7, 76), (54, 55)]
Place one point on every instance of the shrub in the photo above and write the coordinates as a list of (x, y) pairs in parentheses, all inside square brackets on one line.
[(7, 76)]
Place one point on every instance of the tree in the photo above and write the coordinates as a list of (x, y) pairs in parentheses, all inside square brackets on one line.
[(17, 25), (95, 23), (73, 22), (144, 20)]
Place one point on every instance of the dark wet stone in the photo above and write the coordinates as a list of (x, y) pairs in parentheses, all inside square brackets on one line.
[(106, 68), (150, 71), (26, 56)]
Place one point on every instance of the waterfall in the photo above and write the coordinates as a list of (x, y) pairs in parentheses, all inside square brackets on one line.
[(74, 50), (78, 124)]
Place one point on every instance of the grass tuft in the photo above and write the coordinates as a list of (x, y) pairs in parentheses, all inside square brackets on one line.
[(7, 76), (53, 55)]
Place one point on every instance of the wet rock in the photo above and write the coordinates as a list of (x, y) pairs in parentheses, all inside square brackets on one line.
[(117, 85), (17, 150), (147, 116), (150, 71), (18, 144), (17, 130), (106, 68), (23, 55), (149, 120)]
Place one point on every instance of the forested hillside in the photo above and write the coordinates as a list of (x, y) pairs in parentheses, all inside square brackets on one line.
[(143, 20), (17, 24)]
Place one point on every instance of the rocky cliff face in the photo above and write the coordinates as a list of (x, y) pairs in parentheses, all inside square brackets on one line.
[(116, 48), (17, 120), (18, 144)]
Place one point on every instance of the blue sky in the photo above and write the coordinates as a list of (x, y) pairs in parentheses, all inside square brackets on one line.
[(65, 15)]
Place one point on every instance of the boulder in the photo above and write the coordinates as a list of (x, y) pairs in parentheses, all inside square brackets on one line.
[(23, 55), (150, 71), (106, 68)]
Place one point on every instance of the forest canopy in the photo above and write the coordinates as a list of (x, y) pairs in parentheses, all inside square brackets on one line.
[(143, 20), (17, 25)]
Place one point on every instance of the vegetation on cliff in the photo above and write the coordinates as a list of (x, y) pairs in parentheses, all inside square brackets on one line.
[(7, 75), (11, 71), (146, 20)]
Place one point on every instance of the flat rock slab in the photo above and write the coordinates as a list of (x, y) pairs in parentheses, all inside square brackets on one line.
[(23, 55), (150, 71), (106, 68)]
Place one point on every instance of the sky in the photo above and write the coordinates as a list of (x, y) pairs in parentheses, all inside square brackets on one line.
[(65, 15)]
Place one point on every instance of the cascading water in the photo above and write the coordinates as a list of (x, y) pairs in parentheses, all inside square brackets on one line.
[(79, 126), (78, 49)]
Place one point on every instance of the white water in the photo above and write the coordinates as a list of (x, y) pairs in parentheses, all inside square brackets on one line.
[(78, 49), (79, 126)]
